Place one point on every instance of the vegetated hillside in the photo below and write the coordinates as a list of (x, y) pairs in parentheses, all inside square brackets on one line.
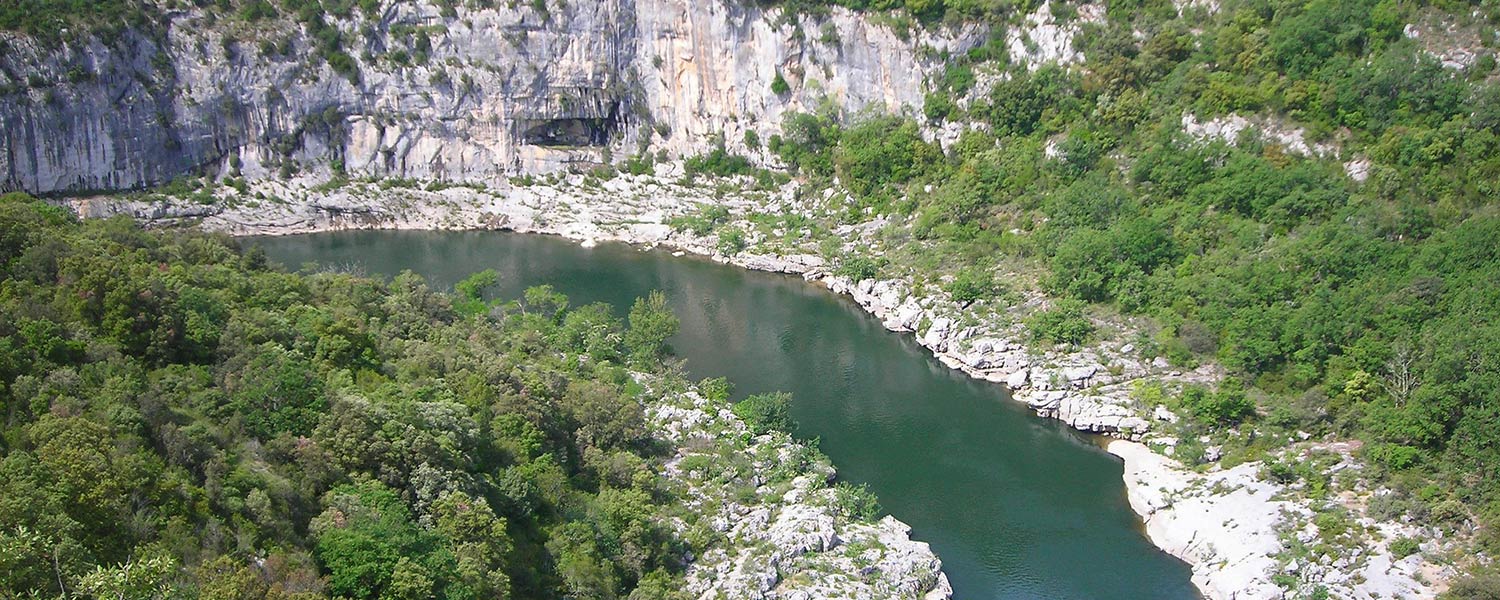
[(1303, 192), (1340, 256), (181, 420), (172, 402)]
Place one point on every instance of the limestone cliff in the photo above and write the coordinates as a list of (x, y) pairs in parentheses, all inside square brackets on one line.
[(473, 94)]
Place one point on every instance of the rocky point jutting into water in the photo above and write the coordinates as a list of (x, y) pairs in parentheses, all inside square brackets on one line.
[(464, 95)]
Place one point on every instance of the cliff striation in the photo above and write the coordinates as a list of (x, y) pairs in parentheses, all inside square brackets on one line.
[(435, 92)]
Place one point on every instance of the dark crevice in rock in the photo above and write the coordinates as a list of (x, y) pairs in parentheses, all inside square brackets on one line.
[(568, 132)]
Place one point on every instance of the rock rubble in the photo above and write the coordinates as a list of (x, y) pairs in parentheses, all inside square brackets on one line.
[(789, 540)]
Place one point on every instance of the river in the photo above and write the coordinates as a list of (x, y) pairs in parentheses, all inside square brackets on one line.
[(1015, 505)]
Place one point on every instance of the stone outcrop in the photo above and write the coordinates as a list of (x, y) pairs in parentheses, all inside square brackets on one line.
[(1042, 39), (496, 91), (1229, 128), (1230, 537), (788, 540)]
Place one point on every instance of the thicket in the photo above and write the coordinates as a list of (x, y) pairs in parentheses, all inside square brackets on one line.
[(178, 415), (1353, 309), (46, 19)]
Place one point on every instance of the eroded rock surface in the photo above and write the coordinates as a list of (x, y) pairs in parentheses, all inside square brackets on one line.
[(496, 91), (789, 539)]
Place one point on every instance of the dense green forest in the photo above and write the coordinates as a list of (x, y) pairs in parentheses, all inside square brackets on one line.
[(179, 416), (1364, 309), (1346, 309)]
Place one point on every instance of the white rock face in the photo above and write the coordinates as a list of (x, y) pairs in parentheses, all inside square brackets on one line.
[(1358, 169), (504, 91), (1454, 46), (1042, 39), (1228, 129), (1229, 538)]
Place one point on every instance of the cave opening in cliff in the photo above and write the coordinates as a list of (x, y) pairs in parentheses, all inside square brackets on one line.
[(568, 132)]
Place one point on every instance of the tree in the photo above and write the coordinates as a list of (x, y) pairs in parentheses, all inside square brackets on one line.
[(226, 579), (972, 284), (765, 413), (478, 540), (856, 502), (177, 400), (879, 152), (1399, 378), (366, 541), (659, 585), (276, 391), (472, 289), (1225, 407), (545, 300), (1080, 267), (651, 324), (605, 419), (585, 574), (592, 329), (1482, 585), (145, 578), (409, 581), (808, 142), (82, 468)]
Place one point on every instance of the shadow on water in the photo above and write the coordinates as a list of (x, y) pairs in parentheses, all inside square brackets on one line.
[(1016, 506)]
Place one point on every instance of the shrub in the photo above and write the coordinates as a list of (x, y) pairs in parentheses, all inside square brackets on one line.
[(856, 502), (700, 224), (1403, 547), (972, 284), (1478, 586), (651, 323), (880, 152), (1331, 524), (1225, 407), (1064, 323), (344, 65), (779, 86), (765, 413), (858, 268), (642, 164), (717, 162), (1393, 456), (256, 10), (716, 389), (938, 106), (731, 241), (1386, 507)]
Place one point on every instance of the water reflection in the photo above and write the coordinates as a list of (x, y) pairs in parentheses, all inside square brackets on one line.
[(1016, 506)]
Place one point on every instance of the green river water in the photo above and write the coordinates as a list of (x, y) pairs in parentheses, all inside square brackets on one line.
[(1015, 505)]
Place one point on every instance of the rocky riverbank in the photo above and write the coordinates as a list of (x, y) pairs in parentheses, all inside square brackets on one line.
[(790, 539), (1233, 527)]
